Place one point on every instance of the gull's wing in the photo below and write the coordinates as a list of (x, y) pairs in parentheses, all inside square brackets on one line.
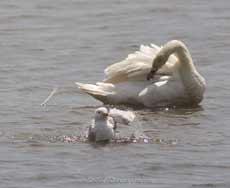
[(112, 123), (137, 65), (121, 116)]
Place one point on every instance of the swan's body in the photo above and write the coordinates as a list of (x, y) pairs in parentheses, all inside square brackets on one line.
[(175, 78)]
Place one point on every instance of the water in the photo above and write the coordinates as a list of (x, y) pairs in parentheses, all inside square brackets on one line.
[(46, 44)]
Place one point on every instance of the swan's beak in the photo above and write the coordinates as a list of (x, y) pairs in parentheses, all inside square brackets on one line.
[(151, 74)]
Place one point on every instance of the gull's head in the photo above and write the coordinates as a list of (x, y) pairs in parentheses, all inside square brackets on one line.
[(101, 113)]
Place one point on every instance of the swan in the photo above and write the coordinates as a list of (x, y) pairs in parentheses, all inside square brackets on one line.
[(105, 121), (153, 76)]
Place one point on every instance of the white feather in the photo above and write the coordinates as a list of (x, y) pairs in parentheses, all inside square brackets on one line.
[(136, 65)]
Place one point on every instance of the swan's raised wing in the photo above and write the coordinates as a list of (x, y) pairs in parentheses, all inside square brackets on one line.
[(137, 65)]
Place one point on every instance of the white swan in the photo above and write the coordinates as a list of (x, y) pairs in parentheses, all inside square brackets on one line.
[(154, 76)]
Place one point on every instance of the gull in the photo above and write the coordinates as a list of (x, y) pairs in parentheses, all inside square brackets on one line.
[(104, 124)]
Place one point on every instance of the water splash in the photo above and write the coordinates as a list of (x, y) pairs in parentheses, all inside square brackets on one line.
[(124, 140)]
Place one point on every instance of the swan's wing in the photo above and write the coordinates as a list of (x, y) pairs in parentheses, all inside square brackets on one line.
[(122, 116), (137, 65)]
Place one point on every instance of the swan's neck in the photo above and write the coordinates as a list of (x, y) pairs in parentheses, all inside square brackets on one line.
[(193, 82), (181, 51)]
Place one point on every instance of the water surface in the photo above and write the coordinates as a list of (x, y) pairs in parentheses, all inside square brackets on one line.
[(45, 44)]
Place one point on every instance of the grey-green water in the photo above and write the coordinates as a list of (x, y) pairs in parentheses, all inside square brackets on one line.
[(47, 43)]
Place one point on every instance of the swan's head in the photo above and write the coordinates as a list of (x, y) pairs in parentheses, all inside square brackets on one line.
[(159, 60), (101, 113)]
